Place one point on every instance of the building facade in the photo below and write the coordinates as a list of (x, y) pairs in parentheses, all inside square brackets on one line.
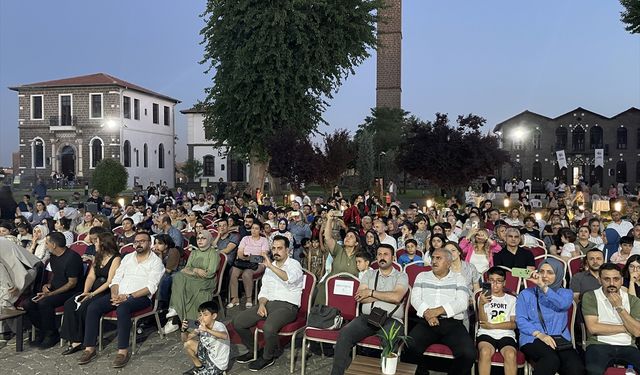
[(68, 125), (216, 162), (533, 139)]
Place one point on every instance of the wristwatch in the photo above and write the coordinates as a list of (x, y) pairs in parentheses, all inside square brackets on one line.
[(619, 308), (129, 296)]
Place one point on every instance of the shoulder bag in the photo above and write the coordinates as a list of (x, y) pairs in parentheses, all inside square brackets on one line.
[(561, 342)]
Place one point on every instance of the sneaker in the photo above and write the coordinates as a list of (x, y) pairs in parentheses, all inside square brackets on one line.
[(171, 313), (261, 363), (170, 327), (248, 305), (86, 357), (231, 305), (246, 358), (192, 371)]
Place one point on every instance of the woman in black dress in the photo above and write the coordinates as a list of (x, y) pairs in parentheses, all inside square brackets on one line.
[(106, 262)]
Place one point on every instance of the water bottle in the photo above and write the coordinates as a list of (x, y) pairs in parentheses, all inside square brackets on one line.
[(629, 371)]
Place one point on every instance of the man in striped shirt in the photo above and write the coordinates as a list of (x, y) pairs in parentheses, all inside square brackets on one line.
[(440, 298)]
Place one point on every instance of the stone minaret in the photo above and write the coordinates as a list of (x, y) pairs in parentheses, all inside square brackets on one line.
[(388, 78)]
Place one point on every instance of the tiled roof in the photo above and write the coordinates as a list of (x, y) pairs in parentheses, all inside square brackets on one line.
[(97, 79)]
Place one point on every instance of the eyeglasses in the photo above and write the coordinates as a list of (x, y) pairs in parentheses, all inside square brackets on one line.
[(633, 267), (140, 242)]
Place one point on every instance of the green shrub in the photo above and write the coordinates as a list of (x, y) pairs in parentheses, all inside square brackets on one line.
[(110, 177)]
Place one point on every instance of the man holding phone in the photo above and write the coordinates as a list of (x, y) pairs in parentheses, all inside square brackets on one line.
[(497, 318)]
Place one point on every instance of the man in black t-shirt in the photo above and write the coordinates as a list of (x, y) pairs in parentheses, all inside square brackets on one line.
[(66, 267), (512, 255)]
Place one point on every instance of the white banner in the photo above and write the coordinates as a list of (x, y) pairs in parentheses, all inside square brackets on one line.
[(599, 158), (562, 160)]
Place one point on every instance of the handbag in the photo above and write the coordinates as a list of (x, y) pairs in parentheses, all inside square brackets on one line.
[(561, 342), (245, 264), (324, 317), (378, 316)]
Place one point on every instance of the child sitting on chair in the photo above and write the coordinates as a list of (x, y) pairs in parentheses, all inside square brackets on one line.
[(208, 345), (411, 246)]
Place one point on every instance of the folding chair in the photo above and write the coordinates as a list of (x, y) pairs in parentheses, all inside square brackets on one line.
[(345, 303), (298, 325), (136, 316)]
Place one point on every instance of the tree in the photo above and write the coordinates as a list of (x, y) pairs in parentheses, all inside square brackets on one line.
[(385, 125), (110, 177), (337, 156), (192, 168), (449, 156), (276, 63), (365, 160), (293, 160), (631, 15)]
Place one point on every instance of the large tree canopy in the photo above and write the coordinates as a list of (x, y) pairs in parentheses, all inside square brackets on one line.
[(449, 156), (631, 15), (275, 63)]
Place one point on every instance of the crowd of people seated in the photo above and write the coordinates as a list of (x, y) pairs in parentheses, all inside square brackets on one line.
[(555, 289)]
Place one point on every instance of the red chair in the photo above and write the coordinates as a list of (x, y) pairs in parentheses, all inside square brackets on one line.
[(187, 234), (136, 316), (497, 359), (414, 268), (512, 284), (118, 231), (219, 277), (575, 264), (82, 236), (345, 303), (401, 252), (396, 265), (292, 329), (537, 250), (214, 232), (79, 247), (126, 249)]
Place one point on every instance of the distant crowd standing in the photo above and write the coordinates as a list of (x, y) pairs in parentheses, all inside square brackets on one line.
[(474, 278)]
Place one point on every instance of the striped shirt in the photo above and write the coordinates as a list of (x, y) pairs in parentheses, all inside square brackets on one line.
[(450, 292)]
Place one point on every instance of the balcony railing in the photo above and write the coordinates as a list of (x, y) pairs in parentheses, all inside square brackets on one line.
[(63, 121)]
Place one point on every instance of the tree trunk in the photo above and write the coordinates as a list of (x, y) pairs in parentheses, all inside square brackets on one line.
[(258, 171)]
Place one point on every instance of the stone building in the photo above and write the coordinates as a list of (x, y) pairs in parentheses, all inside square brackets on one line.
[(215, 161), (532, 140), (68, 125)]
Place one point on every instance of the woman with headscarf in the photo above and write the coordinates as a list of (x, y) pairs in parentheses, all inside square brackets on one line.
[(194, 284), (371, 243), (281, 230), (541, 315), (38, 247)]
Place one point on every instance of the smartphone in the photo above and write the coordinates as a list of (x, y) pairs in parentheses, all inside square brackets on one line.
[(194, 324), (486, 289), (256, 259), (524, 273)]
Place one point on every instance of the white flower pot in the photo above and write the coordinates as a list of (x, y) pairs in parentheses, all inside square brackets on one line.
[(389, 364)]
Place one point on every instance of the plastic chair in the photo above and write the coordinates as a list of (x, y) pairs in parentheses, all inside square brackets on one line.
[(298, 325), (575, 264), (536, 250), (413, 269), (82, 236), (345, 303), (126, 249), (79, 247), (118, 231), (136, 316)]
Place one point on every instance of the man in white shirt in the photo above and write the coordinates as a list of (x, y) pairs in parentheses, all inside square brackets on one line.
[(612, 318), (621, 226), (201, 206), (636, 239), (52, 209), (440, 298), (65, 211), (135, 281), (381, 228), (278, 303)]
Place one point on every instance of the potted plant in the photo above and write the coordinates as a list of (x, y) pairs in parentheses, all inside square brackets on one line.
[(390, 341)]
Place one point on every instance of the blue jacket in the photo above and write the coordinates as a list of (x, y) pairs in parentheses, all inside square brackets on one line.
[(554, 307)]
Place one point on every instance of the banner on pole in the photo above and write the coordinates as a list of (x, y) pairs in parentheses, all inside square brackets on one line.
[(562, 160), (599, 157)]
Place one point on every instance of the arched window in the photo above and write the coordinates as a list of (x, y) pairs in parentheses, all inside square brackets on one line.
[(145, 156), (621, 171), (578, 138), (561, 138), (37, 153), (208, 166), (517, 169), (537, 139), (161, 156), (126, 151), (536, 171), (96, 151), (595, 135), (622, 138)]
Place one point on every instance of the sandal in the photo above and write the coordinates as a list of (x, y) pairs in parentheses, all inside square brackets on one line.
[(233, 304)]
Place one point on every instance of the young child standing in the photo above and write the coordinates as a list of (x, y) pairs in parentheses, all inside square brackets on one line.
[(411, 246), (208, 345), (315, 257)]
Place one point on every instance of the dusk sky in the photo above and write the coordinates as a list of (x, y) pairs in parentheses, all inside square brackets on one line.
[(492, 58)]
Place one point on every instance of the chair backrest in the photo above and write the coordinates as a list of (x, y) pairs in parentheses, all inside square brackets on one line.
[(222, 265), (403, 251), (575, 264), (79, 247), (536, 250), (535, 203), (214, 232), (126, 249), (571, 321), (413, 269), (396, 265), (512, 283), (187, 233), (340, 289), (308, 287), (118, 230), (81, 236)]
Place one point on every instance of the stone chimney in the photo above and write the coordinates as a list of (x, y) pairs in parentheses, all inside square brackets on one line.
[(389, 57)]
